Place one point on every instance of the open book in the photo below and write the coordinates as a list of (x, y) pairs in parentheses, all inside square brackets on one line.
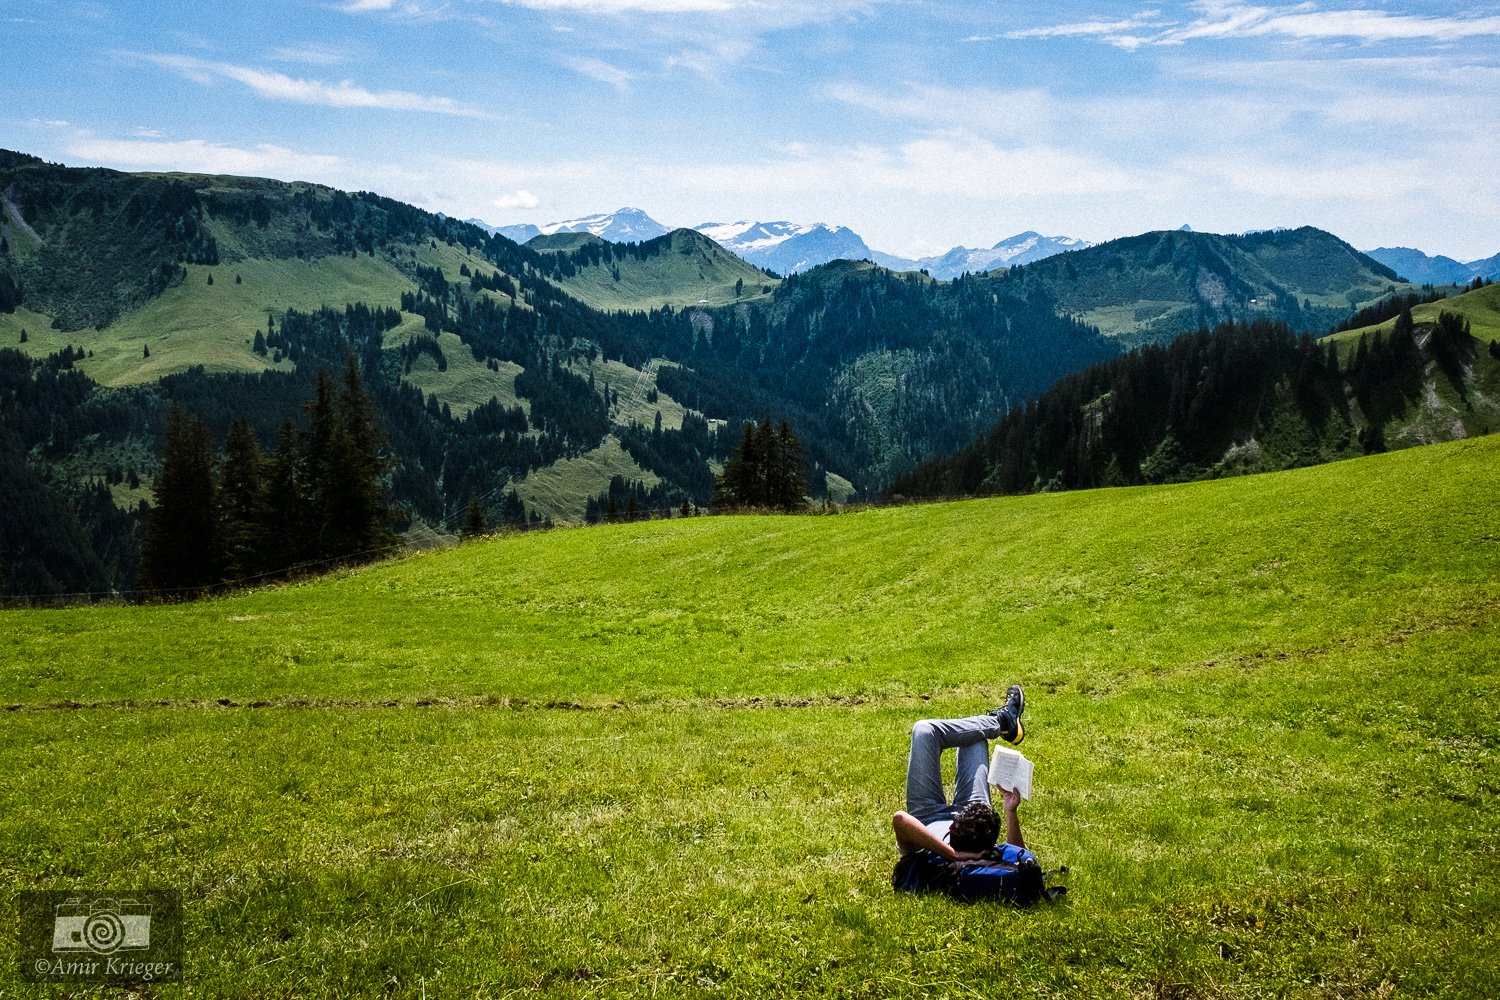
[(1010, 770)]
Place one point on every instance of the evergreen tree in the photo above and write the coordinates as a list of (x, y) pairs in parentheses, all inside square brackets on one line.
[(345, 470), (738, 486), (361, 468), (765, 471), (785, 469), (288, 529), (182, 555), (243, 506), (475, 523)]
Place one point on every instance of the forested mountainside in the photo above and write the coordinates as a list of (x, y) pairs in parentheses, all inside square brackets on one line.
[(124, 293), (1153, 287), (1242, 398)]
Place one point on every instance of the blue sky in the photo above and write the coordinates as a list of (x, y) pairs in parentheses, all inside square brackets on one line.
[(919, 124)]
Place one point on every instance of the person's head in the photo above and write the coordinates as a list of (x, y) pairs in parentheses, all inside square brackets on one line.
[(975, 828)]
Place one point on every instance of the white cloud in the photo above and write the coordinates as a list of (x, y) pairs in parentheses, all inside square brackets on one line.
[(310, 53), (365, 6), (630, 6), (983, 109), (343, 94), (1126, 33), (1303, 22), (202, 156), (598, 69), (516, 200), (942, 164)]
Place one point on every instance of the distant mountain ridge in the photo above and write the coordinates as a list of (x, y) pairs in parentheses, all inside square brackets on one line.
[(1425, 269), (1023, 248), (787, 247), (1155, 286), (791, 247)]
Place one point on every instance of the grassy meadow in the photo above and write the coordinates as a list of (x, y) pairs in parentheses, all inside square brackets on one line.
[(661, 758), (694, 270), (1481, 307)]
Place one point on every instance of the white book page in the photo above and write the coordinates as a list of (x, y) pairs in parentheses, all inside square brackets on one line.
[(1011, 771)]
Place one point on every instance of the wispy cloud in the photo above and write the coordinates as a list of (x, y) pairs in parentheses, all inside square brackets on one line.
[(604, 72), (1225, 19), (1125, 33), (310, 53), (632, 6), (516, 200), (202, 156), (279, 86), (944, 164)]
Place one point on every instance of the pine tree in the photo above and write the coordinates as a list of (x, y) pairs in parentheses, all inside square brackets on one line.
[(344, 470), (243, 506), (738, 486), (475, 523), (182, 555), (765, 471), (361, 467), (288, 530)]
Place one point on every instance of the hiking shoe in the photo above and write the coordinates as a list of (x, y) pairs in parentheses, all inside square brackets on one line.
[(1009, 714)]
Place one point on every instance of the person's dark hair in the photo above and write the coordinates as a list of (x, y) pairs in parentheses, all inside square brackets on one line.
[(975, 828)]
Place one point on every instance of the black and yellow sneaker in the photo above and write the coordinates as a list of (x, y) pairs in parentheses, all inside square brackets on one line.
[(1009, 714)]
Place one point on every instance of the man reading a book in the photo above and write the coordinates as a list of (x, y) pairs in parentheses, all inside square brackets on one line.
[(968, 827)]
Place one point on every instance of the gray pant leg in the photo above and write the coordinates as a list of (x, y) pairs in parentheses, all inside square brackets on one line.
[(924, 777)]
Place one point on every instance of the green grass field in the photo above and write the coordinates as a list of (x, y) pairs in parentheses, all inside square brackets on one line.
[(195, 323), (694, 270), (1480, 307), (661, 758), (561, 491)]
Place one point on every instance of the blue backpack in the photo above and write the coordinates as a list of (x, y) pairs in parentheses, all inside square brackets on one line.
[(1009, 874)]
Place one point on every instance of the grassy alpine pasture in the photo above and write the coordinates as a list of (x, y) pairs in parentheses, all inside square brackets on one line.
[(660, 758), (1481, 307), (692, 270)]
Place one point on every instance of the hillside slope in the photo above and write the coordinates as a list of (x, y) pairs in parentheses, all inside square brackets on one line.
[(1481, 307), (681, 269), (648, 758), (229, 293), (1151, 287)]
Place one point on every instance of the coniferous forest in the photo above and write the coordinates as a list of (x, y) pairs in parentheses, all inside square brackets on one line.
[(1238, 399)]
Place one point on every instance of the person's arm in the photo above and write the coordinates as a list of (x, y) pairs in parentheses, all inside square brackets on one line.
[(1011, 802), (913, 835)]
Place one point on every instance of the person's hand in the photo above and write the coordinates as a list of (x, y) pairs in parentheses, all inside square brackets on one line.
[(1011, 799)]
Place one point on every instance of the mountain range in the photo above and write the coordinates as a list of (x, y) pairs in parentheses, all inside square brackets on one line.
[(789, 247), (1423, 269), (542, 380)]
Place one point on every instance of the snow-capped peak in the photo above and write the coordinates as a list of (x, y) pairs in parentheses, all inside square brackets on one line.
[(627, 225)]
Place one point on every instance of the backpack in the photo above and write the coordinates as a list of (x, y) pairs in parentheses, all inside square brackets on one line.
[(1009, 874)]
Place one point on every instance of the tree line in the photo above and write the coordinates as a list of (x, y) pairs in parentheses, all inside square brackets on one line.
[(1240, 398), (318, 499)]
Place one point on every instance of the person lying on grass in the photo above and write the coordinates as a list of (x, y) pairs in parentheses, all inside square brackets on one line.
[(936, 836)]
